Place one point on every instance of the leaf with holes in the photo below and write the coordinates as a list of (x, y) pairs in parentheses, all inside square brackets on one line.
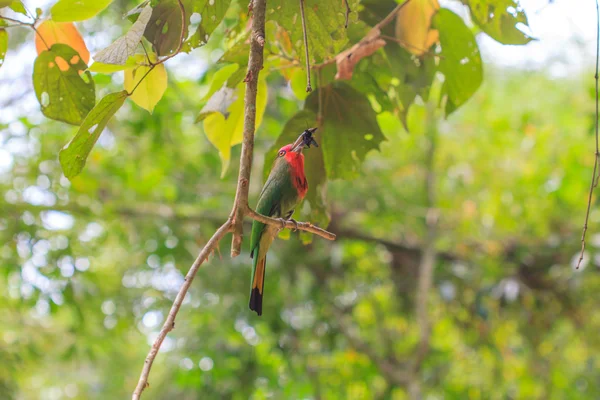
[(146, 84), (62, 85), (212, 13), (125, 46), (51, 32), (3, 45), (460, 59), (314, 168), (77, 10), (164, 28), (349, 129), (73, 157), (499, 19), (225, 132)]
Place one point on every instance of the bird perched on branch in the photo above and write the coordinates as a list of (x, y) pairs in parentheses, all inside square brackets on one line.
[(286, 186)]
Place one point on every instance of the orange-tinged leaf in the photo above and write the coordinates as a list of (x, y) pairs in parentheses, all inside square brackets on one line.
[(413, 26), (346, 60), (60, 32)]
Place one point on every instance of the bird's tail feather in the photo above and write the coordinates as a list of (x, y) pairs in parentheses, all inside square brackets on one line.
[(258, 283)]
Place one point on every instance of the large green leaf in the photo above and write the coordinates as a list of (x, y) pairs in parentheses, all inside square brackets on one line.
[(62, 85), (460, 59), (3, 45), (212, 13), (77, 10), (349, 129), (73, 157), (125, 46), (325, 22), (314, 167), (498, 18), (164, 28)]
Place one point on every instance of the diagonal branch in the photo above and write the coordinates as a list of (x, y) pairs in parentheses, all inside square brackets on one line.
[(170, 322), (255, 64), (302, 226)]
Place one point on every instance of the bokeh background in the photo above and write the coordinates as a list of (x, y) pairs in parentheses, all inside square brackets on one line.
[(90, 267)]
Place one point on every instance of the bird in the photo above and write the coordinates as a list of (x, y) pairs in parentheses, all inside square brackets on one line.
[(284, 189)]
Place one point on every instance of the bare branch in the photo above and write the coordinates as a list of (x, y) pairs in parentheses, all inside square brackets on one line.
[(255, 64), (303, 226), (594, 182), (348, 11), (306, 52), (170, 322)]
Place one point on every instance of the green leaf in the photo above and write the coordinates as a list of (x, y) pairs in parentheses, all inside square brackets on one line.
[(73, 157), (146, 84), (498, 18), (5, 3), (212, 13), (460, 59), (325, 22), (110, 68), (77, 10), (349, 129), (3, 45), (314, 168), (18, 7), (62, 85), (125, 46), (415, 76), (164, 28), (224, 132)]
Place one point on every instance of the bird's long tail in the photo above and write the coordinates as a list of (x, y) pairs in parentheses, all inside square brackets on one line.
[(258, 282)]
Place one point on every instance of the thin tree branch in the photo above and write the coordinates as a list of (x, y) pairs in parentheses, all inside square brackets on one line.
[(302, 226), (170, 322), (594, 182), (348, 11), (255, 64), (306, 52)]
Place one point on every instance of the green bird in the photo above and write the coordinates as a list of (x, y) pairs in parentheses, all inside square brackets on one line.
[(286, 186)]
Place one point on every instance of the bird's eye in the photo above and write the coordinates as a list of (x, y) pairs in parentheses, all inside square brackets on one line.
[(282, 153)]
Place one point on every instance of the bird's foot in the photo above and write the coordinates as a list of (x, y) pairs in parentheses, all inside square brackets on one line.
[(295, 224), (283, 222)]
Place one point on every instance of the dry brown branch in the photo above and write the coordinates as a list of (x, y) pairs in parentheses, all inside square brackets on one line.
[(255, 64), (302, 226), (170, 322)]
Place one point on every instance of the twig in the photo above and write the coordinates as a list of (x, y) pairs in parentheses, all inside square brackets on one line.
[(255, 64), (170, 322), (302, 226), (162, 60), (594, 182), (306, 52), (348, 11)]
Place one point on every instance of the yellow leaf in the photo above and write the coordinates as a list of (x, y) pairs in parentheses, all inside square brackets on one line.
[(151, 89), (60, 32), (413, 26), (224, 133)]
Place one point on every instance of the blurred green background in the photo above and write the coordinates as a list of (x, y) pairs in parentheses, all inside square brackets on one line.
[(492, 199)]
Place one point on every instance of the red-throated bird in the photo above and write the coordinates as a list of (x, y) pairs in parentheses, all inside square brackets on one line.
[(284, 189)]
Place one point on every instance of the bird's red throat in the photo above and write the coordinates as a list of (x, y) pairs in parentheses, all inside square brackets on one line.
[(296, 161)]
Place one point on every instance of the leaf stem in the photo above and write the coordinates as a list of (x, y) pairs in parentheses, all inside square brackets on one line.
[(306, 52)]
